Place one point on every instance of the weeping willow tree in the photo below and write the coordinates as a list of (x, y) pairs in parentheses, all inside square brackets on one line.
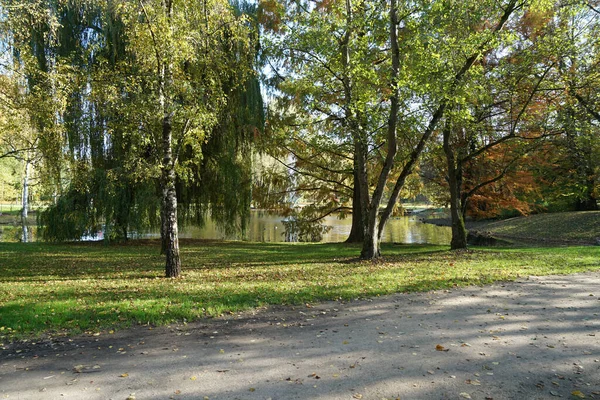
[(158, 111)]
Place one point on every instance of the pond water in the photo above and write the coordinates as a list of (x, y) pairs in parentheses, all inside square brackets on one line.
[(265, 227)]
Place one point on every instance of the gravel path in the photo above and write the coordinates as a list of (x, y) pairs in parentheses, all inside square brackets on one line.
[(538, 338)]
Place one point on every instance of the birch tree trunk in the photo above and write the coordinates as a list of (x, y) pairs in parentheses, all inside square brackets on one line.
[(169, 231), (25, 200)]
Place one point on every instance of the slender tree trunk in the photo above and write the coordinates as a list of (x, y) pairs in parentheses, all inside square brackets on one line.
[(357, 232), (25, 200), (371, 242), (170, 230), (370, 246), (163, 221), (459, 233)]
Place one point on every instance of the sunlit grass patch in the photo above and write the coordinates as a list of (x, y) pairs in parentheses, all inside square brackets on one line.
[(66, 289)]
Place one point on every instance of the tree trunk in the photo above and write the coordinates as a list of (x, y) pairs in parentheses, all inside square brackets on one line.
[(25, 201), (357, 232), (370, 249), (25, 236), (170, 229), (459, 233), (163, 222)]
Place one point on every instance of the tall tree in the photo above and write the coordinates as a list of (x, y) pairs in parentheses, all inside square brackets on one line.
[(159, 93), (380, 71), (184, 53)]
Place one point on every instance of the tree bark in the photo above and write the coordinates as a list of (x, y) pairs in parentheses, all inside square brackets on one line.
[(163, 222), (170, 229), (459, 233), (25, 200), (370, 249), (357, 232)]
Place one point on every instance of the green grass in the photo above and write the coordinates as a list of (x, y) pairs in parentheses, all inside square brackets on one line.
[(48, 289), (582, 226)]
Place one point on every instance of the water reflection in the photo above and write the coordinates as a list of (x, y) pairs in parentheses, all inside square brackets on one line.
[(265, 227)]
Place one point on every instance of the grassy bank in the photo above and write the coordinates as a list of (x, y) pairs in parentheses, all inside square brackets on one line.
[(64, 289), (581, 226)]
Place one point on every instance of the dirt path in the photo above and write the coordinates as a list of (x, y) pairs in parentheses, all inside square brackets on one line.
[(534, 339)]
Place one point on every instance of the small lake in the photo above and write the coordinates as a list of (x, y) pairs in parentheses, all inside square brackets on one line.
[(265, 227)]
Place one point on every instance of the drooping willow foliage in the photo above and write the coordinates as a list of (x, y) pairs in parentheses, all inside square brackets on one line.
[(105, 173)]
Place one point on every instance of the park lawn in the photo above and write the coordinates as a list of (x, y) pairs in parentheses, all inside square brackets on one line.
[(51, 289)]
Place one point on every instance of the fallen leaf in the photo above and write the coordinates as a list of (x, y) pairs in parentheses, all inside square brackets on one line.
[(252, 389), (577, 393), (439, 347), (125, 375), (193, 378), (357, 396), (465, 395)]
